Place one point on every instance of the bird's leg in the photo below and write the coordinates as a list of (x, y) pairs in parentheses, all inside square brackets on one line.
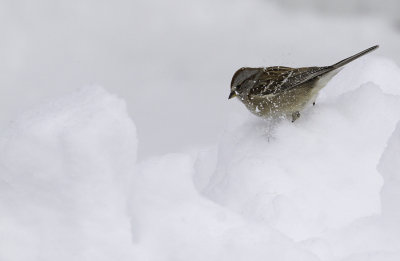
[(295, 115)]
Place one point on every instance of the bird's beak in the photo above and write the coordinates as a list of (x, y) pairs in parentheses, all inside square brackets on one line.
[(232, 95)]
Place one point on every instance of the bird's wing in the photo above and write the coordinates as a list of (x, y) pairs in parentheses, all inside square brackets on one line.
[(274, 80)]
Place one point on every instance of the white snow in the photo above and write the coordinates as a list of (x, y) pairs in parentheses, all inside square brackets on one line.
[(311, 176), (64, 171), (324, 188), (78, 175), (389, 167)]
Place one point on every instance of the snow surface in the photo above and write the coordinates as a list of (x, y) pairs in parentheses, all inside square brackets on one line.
[(324, 188), (64, 170)]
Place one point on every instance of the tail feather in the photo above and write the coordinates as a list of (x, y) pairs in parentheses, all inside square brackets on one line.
[(356, 56)]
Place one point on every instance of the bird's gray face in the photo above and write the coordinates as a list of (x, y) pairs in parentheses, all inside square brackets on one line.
[(240, 79)]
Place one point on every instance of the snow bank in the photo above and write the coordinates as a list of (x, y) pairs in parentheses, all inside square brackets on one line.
[(317, 174), (304, 191), (316, 181), (172, 221), (63, 174), (325, 188)]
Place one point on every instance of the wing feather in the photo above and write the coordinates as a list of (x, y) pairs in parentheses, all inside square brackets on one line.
[(278, 79)]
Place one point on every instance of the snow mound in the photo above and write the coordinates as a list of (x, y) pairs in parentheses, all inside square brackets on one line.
[(316, 180), (172, 221), (317, 174), (64, 168), (325, 188)]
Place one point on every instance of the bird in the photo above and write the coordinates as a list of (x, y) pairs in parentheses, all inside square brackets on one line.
[(279, 91)]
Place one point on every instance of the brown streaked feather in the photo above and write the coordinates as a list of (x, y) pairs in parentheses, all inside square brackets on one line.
[(274, 80)]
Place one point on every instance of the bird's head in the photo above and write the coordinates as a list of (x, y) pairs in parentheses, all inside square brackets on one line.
[(239, 80)]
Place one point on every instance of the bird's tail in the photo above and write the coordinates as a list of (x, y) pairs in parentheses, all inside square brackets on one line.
[(356, 56)]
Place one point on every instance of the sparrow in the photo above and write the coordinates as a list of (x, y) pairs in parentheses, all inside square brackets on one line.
[(279, 91)]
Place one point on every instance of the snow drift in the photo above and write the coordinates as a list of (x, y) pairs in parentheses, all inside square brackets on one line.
[(64, 169), (316, 174), (324, 188)]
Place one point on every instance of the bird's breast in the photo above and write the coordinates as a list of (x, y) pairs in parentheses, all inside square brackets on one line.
[(281, 104)]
